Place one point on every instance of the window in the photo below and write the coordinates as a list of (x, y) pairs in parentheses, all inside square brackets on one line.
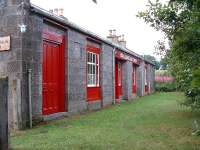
[(92, 69), (119, 74)]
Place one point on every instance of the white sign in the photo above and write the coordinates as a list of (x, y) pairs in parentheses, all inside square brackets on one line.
[(5, 43)]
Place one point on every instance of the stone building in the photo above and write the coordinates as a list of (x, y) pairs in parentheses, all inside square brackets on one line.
[(71, 69)]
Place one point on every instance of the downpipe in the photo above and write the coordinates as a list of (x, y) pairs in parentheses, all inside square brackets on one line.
[(113, 70), (30, 98)]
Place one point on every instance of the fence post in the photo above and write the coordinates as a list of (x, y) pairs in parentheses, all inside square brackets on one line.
[(3, 114)]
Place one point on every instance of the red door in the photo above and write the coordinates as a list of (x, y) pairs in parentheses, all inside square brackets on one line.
[(134, 77), (53, 76), (118, 80)]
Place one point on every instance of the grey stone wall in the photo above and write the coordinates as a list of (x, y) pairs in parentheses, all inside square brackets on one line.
[(107, 79), (140, 79), (12, 63), (36, 27), (149, 77), (130, 80), (152, 78), (127, 70), (134, 95), (4, 113), (76, 72)]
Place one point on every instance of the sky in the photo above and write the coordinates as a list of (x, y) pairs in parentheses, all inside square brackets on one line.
[(110, 14)]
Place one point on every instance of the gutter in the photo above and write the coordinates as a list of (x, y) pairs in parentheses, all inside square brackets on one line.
[(30, 97), (113, 75)]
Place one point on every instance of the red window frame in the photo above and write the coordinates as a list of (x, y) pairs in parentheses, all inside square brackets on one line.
[(94, 91)]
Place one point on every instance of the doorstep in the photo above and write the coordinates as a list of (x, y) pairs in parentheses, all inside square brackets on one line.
[(55, 116)]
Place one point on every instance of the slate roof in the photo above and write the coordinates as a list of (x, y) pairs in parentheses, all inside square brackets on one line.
[(66, 22)]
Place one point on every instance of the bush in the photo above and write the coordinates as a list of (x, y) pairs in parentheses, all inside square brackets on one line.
[(165, 86), (193, 98), (164, 81), (193, 92)]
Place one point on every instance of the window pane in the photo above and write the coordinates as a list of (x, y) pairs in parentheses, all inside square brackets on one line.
[(88, 55), (97, 75), (88, 58), (90, 79), (94, 79), (88, 68), (94, 58), (93, 69), (91, 66)]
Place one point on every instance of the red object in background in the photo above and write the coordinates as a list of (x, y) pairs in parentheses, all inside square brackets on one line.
[(134, 76), (53, 82), (164, 79), (146, 88), (118, 80), (94, 92)]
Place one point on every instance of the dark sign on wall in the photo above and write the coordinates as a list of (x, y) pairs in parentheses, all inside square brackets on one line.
[(3, 114)]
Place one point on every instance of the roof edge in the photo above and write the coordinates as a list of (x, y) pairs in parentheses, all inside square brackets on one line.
[(72, 25)]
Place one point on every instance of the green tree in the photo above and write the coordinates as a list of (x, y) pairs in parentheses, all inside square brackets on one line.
[(152, 59), (95, 1), (180, 21), (163, 63)]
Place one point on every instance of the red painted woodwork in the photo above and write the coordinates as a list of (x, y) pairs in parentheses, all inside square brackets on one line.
[(93, 49), (94, 93), (118, 80), (123, 56), (53, 37), (134, 76), (146, 88), (53, 74)]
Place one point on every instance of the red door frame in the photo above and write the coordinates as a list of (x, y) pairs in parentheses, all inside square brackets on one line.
[(134, 76), (118, 84), (53, 40), (146, 80)]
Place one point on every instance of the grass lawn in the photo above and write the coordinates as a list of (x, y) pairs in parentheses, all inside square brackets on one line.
[(155, 122)]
